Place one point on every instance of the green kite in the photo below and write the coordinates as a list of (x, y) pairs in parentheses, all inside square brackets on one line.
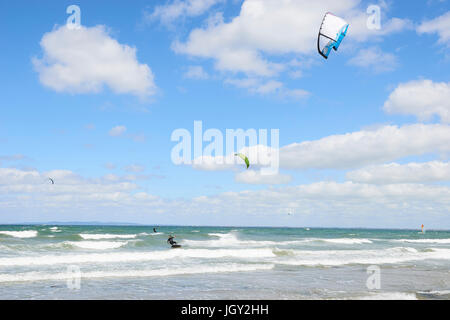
[(243, 157)]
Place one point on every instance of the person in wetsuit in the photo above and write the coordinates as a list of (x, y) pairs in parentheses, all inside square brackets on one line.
[(154, 230), (171, 241)]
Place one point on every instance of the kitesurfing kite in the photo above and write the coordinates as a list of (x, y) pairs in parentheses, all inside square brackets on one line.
[(243, 157), (332, 31), (51, 180)]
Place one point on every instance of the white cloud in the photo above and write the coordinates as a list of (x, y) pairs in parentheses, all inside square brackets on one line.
[(168, 13), (345, 151), (117, 131), (423, 98), (255, 85), (129, 177), (217, 163), (366, 147), (13, 176), (85, 60), (110, 166), (29, 194), (374, 59), (135, 168), (272, 27), (138, 137), (258, 155), (360, 33), (406, 173), (264, 87), (439, 25), (14, 157), (255, 177), (336, 204), (196, 72), (32, 189), (14, 180)]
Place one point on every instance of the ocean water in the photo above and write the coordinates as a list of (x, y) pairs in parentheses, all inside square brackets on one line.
[(133, 262)]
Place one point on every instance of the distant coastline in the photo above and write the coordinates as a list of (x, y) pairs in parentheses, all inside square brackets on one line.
[(131, 224)]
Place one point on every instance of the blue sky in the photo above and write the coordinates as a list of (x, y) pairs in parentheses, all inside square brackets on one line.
[(364, 135)]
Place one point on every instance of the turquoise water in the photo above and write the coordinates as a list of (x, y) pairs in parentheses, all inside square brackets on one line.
[(133, 262)]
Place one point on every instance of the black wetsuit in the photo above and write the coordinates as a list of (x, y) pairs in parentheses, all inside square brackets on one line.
[(171, 241), (154, 229)]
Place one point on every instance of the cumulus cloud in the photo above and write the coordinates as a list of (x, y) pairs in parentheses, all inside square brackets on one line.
[(196, 72), (130, 177), (344, 151), (87, 59), (272, 27), (374, 59), (402, 173), (439, 25), (366, 147), (18, 181), (333, 203), (134, 168), (422, 98), (321, 203), (14, 157), (117, 131), (264, 87), (176, 9), (360, 32), (258, 155), (255, 177)]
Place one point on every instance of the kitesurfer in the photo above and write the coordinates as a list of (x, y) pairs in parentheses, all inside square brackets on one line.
[(171, 241)]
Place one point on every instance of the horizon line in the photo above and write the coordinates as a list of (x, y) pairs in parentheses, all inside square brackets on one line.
[(131, 224)]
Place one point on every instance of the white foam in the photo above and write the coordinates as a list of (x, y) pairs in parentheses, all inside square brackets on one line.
[(344, 257), (97, 245), (20, 234), (389, 296), (436, 292), (231, 240), (225, 240), (346, 241), (441, 241), (137, 256), (87, 236), (55, 229), (38, 276)]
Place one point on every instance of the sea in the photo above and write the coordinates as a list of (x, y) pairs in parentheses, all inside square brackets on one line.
[(134, 262)]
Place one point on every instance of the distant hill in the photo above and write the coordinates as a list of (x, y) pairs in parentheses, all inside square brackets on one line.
[(78, 223)]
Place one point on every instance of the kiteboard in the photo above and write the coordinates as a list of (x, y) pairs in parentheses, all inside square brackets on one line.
[(176, 246)]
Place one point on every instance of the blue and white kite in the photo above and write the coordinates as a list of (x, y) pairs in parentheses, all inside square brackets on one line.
[(332, 32)]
